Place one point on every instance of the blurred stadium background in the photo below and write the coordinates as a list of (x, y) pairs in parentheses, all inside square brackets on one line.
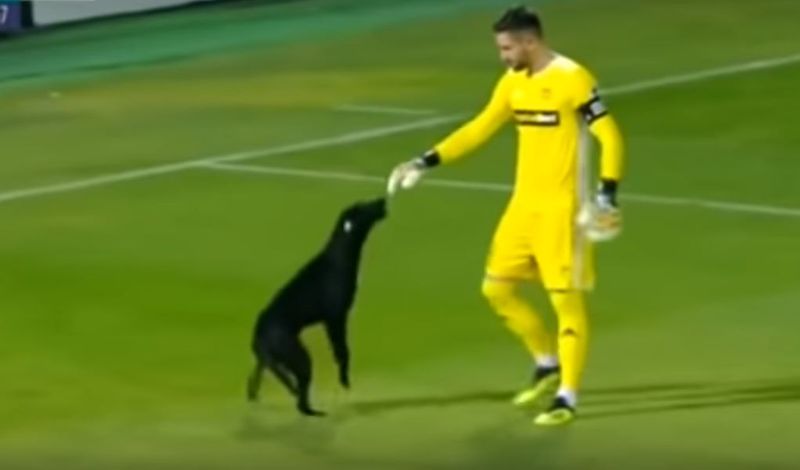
[(163, 171)]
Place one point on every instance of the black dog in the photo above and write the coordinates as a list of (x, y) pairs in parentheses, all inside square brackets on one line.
[(321, 292)]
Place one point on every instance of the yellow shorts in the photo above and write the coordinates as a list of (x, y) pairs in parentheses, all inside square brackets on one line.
[(544, 246)]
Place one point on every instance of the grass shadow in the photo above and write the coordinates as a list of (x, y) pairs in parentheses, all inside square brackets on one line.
[(696, 396), (307, 434), (363, 408), (619, 400)]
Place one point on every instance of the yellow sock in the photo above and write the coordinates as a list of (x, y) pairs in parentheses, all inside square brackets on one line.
[(573, 336), (520, 317)]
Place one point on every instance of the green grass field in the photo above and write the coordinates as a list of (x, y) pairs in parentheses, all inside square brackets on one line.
[(126, 308)]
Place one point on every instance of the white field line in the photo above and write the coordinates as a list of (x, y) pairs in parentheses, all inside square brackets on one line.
[(343, 139), (634, 87), (701, 75), (725, 206), (359, 136), (374, 109)]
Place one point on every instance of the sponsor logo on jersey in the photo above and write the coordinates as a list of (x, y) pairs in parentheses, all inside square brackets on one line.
[(542, 118)]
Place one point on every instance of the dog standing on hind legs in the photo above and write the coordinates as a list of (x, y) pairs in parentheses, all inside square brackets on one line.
[(323, 291)]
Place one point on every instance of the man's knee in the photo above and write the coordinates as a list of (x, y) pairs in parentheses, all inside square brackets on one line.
[(498, 292)]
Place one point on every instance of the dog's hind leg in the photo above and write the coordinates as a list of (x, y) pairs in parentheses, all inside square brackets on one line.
[(298, 361), (284, 377), (254, 381)]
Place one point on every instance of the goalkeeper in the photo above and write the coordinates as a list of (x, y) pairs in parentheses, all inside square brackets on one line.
[(547, 230)]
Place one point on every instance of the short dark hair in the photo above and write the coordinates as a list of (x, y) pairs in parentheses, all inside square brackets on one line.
[(519, 19)]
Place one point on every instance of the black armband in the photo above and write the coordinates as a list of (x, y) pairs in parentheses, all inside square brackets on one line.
[(593, 109)]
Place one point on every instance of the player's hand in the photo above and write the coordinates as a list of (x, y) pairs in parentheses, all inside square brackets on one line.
[(405, 175), (601, 220), (408, 174)]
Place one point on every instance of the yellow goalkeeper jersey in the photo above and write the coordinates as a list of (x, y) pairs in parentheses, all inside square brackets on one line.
[(552, 109)]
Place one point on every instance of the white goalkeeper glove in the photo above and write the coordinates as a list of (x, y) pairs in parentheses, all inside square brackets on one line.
[(408, 174), (601, 219)]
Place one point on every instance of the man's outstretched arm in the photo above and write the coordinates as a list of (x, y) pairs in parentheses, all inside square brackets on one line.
[(458, 144)]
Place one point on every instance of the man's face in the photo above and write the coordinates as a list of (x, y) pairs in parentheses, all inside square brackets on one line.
[(516, 49)]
